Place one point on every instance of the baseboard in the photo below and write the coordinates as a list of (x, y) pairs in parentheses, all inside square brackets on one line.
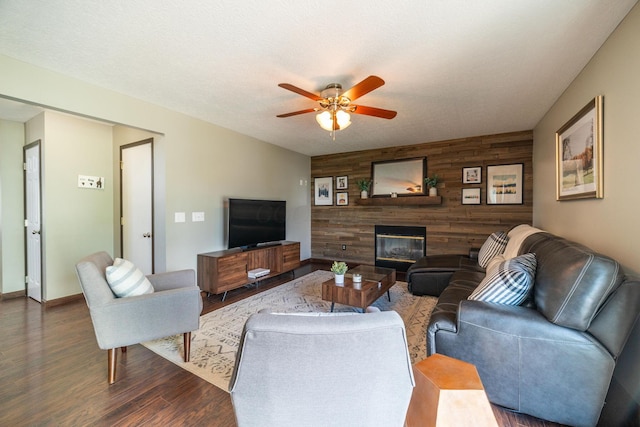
[(64, 300), (12, 295)]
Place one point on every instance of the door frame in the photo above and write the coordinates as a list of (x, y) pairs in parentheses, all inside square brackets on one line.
[(36, 143), (153, 215)]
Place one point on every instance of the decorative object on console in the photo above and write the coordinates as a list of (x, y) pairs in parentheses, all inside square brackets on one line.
[(504, 184), (335, 104), (472, 175), (431, 183), (405, 177), (579, 157), (471, 196), (323, 191), (364, 184), (339, 268)]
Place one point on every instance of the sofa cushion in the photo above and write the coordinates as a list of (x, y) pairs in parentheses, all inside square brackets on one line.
[(572, 281), (509, 282), (494, 245), (126, 280)]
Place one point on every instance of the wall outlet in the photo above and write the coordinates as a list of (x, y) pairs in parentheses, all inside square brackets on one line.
[(344, 247)]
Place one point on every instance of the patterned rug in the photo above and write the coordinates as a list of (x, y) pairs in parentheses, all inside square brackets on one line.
[(214, 345)]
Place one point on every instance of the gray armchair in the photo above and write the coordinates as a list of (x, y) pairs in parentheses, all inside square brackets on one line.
[(322, 369), (172, 309)]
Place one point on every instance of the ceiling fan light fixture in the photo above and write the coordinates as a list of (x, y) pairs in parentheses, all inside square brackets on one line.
[(325, 120)]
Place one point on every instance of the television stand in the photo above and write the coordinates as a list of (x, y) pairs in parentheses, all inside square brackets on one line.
[(222, 271)]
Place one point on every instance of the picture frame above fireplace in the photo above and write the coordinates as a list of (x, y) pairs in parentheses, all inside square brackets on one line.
[(400, 177)]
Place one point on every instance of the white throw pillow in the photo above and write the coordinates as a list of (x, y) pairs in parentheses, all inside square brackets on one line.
[(516, 237), (126, 280), (494, 245), (510, 283)]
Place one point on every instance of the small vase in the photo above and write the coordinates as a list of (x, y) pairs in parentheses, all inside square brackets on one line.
[(433, 191), (364, 194), (339, 278)]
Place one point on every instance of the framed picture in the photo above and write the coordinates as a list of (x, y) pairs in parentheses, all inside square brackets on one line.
[(472, 175), (342, 199), (323, 191), (470, 196), (579, 159), (342, 182), (402, 177), (504, 184)]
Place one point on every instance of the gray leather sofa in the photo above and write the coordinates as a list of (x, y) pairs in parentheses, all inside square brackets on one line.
[(553, 357)]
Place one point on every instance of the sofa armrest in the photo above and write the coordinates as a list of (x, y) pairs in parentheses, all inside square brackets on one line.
[(173, 279), (131, 320)]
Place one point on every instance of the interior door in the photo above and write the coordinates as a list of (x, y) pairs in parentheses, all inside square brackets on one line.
[(33, 235), (136, 178)]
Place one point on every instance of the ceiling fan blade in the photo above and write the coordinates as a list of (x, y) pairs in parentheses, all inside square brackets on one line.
[(295, 113), (364, 87), (373, 111), (299, 91)]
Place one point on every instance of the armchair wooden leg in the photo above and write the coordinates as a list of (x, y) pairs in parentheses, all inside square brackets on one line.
[(112, 358), (123, 349), (187, 346)]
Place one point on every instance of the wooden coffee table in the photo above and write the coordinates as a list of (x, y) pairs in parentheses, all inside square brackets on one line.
[(375, 282)]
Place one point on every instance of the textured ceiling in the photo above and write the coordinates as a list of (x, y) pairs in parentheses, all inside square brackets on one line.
[(453, 68)]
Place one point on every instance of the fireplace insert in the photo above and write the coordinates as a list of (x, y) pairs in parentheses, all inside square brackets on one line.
[(399, 246)]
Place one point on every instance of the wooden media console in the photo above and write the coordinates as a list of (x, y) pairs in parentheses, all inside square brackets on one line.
[(222, 271)]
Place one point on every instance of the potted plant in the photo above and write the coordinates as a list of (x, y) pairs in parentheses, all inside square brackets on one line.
[(339, 268), (364, 185), (431, 183)]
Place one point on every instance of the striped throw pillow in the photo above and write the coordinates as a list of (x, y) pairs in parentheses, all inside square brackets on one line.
[(126, 280), (494, 245), (510, 283)]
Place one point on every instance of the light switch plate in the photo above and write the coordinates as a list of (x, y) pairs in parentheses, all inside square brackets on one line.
[(180, 217), (197, 216)]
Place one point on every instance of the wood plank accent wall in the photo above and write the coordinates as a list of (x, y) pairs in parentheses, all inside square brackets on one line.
[(451, 227)]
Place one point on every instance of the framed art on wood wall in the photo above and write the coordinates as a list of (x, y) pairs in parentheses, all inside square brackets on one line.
[(323, 191), (472, 175), (470, 196), (504, 184), (342, 182), (342, 199), (579, 154)]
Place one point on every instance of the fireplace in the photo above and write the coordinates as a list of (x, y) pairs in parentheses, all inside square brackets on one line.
[(399, 246)]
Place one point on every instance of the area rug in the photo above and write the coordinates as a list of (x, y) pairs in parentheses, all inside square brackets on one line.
[(214, 345)]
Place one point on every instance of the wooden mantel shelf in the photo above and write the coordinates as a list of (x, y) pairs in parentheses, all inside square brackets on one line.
[(400, 201)]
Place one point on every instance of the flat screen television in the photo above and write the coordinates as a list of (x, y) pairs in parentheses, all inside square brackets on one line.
[(255, 223)]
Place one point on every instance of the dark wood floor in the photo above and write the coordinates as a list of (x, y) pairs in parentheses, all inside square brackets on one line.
[(53, 373)]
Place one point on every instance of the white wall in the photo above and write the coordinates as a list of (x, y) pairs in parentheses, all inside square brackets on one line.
[(608, 225), (11, 207), (75, 221), (203, 164)]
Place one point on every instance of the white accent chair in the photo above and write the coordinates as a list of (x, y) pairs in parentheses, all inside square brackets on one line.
[(173, 308), (312, 369)]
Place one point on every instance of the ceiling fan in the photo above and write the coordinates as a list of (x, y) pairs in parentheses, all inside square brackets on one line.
[(335, 104)]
